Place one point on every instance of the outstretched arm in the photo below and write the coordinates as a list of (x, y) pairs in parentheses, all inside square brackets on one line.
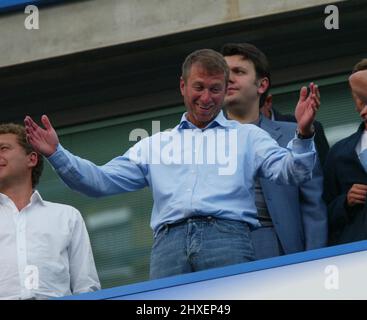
[(44, 141), (121, 174), (358, 83), (306, 109)]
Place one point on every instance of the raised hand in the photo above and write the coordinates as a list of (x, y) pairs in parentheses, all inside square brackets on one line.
[(44, 141), (306, 109)]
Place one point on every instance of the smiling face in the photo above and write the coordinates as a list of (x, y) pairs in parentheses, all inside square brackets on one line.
[(203, 95), (15, 165)]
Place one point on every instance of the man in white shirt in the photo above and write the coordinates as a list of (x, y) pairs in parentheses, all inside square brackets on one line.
[(44, 247)]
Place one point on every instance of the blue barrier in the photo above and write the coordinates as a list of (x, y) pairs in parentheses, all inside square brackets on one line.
[(153, 288), (13, 5)]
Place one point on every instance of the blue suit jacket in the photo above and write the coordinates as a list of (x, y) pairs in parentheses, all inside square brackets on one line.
[(299, 213)]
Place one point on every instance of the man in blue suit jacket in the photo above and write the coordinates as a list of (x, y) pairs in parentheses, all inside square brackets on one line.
[(298, 213), (291, 218)]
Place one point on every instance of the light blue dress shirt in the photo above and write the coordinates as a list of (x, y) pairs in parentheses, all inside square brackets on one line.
[(194, 171)]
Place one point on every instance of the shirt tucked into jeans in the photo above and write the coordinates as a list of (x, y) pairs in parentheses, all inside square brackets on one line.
[(200, 243)]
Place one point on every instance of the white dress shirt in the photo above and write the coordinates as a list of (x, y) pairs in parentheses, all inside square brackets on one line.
[(44, 251)]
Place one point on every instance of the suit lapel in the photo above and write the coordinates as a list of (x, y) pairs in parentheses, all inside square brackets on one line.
[(350, 147), (271, 127)]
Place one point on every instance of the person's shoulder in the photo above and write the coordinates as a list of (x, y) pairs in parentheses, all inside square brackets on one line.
[(285, 125), (341, 145), (244, 126), (61, 208), (287, 118), (241, 127), (251, 131), (286, 129)]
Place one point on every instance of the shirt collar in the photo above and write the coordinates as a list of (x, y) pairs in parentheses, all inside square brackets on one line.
[(219, 120), (35, 197), (3, 198)]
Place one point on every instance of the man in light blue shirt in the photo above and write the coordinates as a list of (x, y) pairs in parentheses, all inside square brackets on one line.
[(201, 173)]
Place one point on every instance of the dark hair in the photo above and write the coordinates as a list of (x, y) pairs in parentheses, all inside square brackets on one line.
[(361, 65), (212, 61), (256, 56), (19, 131)]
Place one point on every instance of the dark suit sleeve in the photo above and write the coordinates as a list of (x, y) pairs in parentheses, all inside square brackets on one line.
[(335, 198), (321, 143)]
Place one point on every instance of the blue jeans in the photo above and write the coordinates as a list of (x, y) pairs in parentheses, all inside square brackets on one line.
[(200, 243)]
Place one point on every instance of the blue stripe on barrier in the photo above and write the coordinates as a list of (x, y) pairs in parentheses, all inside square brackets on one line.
[(151, 285), (11, 5)]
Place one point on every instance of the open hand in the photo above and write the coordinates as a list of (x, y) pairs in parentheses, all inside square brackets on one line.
[(44, 141), (306, 109)]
